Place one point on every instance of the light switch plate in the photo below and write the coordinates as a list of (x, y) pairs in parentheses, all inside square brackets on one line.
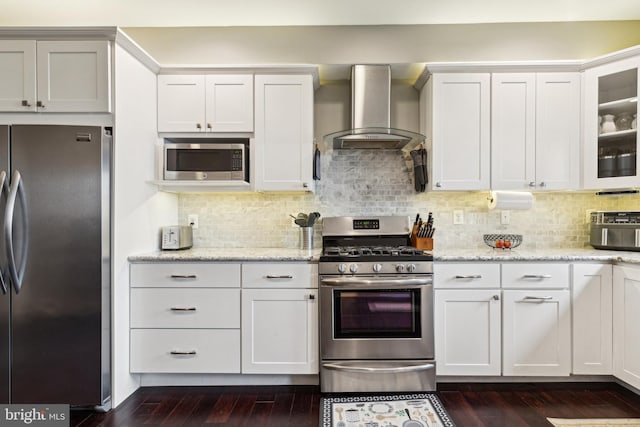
[(458, 216)]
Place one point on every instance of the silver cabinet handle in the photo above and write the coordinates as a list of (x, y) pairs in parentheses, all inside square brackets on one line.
[(183, 276), (371, 370), (209, 126), (25, 103), (495, 298), (468, 276), (198, 126), (284, 276), (532, 184), (536, 299), (537, 276), (16, 192), (543, 184), (183, 309), (40, 104), (438, 184), (604, 237), (183, 353)]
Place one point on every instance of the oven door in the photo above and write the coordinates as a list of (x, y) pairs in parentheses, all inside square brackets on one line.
[(376, 317)]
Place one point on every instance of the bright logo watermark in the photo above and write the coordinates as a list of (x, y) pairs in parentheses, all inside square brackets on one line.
[(34, 415)]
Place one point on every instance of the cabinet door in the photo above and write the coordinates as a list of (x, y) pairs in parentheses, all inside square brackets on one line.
[(513, 136), (557, 131), (181, 103), (591, 307), (611, 145), (279, 331), (229, 103), (74, 76), (536, 333), (283, 133), (461, 131), (17, 75), (467, 332), (626, 324)]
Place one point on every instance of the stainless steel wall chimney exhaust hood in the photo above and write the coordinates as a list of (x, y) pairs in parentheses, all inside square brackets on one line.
[(371, 113)]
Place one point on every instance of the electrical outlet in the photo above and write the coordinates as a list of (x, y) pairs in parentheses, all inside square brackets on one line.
[(192, 220), (505, 217), (458, 216)]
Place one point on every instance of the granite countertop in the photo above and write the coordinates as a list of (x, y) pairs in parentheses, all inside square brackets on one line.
[(444, 255), (229, 254)]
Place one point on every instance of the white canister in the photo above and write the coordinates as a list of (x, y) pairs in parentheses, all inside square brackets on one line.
[(608, 124)]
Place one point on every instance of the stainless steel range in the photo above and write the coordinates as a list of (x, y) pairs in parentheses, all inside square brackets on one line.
[(376, 307)]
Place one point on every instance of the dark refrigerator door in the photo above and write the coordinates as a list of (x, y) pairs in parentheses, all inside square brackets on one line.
[(56, 319), (5, 343)]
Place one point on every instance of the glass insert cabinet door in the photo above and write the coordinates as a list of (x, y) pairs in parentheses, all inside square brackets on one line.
[(611, 137)]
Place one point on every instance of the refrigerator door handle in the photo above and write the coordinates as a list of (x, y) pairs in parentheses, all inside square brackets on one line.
[(16, 192), (4, 193)]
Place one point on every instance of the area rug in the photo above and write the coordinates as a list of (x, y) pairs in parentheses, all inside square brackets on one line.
[(399, 410), (595, 422)]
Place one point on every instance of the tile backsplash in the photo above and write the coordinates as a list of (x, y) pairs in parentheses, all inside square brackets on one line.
[(378, 182)]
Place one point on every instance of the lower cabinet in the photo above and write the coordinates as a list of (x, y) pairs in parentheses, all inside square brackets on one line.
[(468, 331), (279, 331), (536, 332), (626, 324)]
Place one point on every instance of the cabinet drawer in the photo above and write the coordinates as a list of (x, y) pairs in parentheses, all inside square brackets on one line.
[(535, 275), (468, 275), (185, 308), (203, 350), (188, 275), (280, 275)]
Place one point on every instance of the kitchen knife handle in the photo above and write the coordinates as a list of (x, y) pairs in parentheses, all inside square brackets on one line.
[(183, 309), (183, 353), (468, 276), (183, 276), (284, 276)]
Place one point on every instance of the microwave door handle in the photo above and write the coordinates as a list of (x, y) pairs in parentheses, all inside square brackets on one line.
[(16, 192), (4, 194)]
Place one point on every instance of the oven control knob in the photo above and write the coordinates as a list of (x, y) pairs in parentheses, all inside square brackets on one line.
[(377, 268), (342, 268), (411, 268), (353, 268), (399, 268)]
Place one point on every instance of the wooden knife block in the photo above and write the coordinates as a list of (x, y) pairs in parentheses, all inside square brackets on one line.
[(424, 243)]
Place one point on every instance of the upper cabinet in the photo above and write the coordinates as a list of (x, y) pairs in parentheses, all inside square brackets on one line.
[(283, 143), (611, 141), (55, 76), (205, 103), (457, 124), (535, 131)]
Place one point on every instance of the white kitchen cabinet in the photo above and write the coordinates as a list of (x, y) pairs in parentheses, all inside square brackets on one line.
[(458, 120), (611, 145), (55, 76), (205, 103), (626, 324), (468, 331), (283, 144), (592, 315), (535, 131), (536, 332), (279, 318), (185, 318)]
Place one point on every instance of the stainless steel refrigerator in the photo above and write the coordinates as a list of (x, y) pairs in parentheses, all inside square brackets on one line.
[(55, 252)]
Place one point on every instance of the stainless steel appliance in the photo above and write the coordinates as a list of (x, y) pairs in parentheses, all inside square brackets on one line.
[(56, 270), (376, 307), (222, 159), (615, 230), (176, 237)]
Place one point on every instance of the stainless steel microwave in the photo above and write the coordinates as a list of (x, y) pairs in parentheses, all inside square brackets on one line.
[(615, 230), (220, 160)]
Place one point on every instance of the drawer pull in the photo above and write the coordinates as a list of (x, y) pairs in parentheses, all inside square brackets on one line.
[(183, 353), (536, 299), (183, 309), (468, 276), (537, 276), (284, 276), (184, 276)]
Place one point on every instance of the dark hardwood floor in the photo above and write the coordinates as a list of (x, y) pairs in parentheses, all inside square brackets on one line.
[(469, 405)]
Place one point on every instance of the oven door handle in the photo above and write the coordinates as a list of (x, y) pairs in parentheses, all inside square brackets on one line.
[(371, 370), (367, 282)]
